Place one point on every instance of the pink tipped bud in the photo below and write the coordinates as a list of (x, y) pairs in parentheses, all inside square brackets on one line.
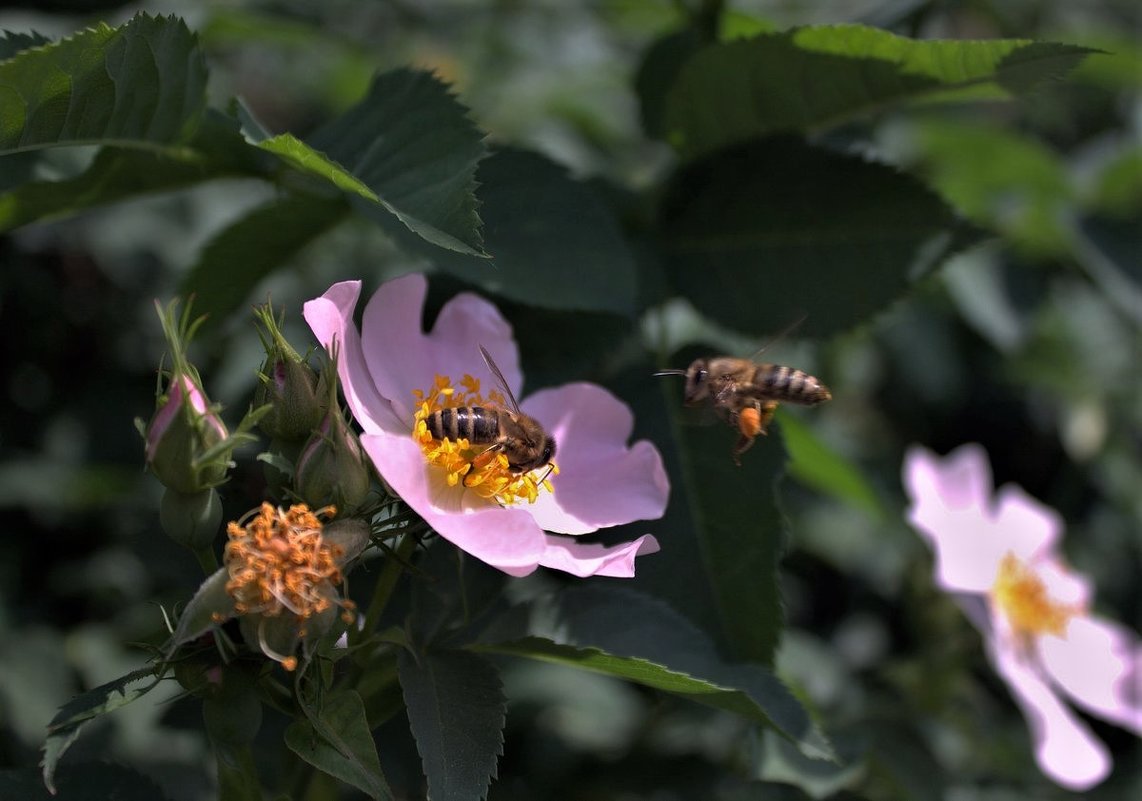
[(291, 389), (181, 437)]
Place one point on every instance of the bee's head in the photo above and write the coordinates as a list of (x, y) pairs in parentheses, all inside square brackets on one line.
[(697, 382)]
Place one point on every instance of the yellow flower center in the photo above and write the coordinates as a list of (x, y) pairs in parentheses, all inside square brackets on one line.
[(278, 561), (480, 466), (1024, 599)]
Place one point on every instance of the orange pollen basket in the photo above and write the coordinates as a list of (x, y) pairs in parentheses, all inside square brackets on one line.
[(278, 562), (482, 470), (1025, 602)]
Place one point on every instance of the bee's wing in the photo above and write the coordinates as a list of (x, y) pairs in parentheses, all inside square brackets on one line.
[(500, 379), (786, 331)]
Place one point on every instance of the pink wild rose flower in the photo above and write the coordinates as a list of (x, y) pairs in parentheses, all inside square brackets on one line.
[(996, 554), (394, 375)]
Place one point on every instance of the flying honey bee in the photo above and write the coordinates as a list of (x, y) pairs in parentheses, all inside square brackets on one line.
[(519, 437), (747, 392)]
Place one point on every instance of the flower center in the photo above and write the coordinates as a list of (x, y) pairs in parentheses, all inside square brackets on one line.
[(1024, 599), (277, 560), (480, 466)]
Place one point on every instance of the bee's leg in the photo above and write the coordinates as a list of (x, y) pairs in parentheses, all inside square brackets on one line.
[(751, 422), (765, 416)]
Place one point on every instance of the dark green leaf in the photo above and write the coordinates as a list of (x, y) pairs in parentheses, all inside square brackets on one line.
[(740, 530), (336, 740), (810, 78), (763, 232), (413, 145), (216, 151), (248, 250), (456, 707), (815, 465), (140, 85), (554, 244), (91, 781), (635, 637), (76, 713), (657, 73), (12, 43)]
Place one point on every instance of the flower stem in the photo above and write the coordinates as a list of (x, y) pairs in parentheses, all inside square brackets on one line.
[(391, 574)]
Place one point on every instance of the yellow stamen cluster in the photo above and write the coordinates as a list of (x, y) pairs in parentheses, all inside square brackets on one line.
[(278, 561), (1025, 602), (482, 470)]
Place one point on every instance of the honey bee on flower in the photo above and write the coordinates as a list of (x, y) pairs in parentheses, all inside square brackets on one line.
[(396, 378)]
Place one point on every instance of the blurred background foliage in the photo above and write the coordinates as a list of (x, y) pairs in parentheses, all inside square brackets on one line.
[(1027, 340)]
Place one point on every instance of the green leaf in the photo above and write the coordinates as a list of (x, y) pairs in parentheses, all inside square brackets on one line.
[(12, 43), (741, 533), (412, 144), (632, 636), (336, 740), (760, 233), (554, 244), (816, 465), (305, 159), (216, 151), (140, 85), (248, 250), (76, 713), (456, 707), (816, 77)]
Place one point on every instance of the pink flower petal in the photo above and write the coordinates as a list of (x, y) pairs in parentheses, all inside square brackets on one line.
[(1027, 527), (403, 358), (1065, 749), (1095, 663), (331, 319), (602, 482), (951, 508), (593, 559)]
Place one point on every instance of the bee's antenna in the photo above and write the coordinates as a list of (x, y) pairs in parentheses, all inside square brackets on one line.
[(671, 372), (550, 467)]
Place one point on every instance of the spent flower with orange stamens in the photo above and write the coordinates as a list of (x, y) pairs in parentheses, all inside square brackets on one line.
[(280, 576)]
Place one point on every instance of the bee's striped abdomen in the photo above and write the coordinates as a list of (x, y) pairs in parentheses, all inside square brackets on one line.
[(789, 384), (477, 424)]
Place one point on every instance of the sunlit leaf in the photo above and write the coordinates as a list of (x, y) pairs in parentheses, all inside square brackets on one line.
[(336, 739), (77, 712), (141, 85), (776, 228), (216, 151), (815, 77), (456, 706)]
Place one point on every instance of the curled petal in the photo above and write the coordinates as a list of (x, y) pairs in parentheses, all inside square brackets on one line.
[(1065, 749), (1096, 664), (331, 319), (593, 559), (602, 482)]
